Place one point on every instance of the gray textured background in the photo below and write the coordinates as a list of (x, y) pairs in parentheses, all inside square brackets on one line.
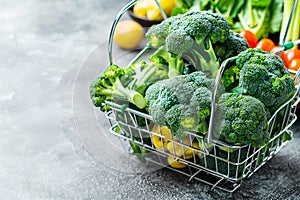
[(51, 146)]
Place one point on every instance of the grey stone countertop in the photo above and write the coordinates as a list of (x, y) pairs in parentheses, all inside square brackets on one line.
[(55, 146)]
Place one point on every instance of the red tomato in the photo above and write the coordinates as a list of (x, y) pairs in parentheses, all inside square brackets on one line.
[(283, 56), (291, 54), (295, 64), (250, 37), (265, 44)]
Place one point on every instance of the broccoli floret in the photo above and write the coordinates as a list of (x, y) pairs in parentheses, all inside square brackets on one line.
[(190, 38), (234, 44), (193, 35), (262, 75), (179, 104), (143, 74), (157, 34), (201, 101), (199, 79), (175, 63), (177, 43), (179, 118), (153, 92), (159, 104), (109, 87), (241, 119)]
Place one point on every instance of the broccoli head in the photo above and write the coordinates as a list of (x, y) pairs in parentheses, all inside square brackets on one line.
[(182, 103), (234, 44), (201, 101), (240, 120), (262, 75), (157, 34), (193, 35)]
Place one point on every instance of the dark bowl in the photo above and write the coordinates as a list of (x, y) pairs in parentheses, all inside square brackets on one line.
[(143, 21)]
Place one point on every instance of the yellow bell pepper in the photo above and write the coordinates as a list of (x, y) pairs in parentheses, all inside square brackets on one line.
[(175, 163), (153, 12), (141, 7)]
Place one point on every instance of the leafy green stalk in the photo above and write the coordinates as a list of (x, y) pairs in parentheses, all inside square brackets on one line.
[(292, 33)]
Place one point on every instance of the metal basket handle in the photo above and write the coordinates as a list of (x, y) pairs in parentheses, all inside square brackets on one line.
[(214, 96), (116, 21)]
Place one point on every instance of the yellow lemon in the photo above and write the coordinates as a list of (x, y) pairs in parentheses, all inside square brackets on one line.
[(128, 34), (141, 7)]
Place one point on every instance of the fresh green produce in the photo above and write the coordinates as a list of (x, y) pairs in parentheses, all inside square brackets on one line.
[(183, 6), (175, 63), (128, 84), (191, 38), (182, 103), (241, 119), (262, 75), (142, 74), (232, 46), (259, 17), (293, 30), (109, 87), (157, 33)]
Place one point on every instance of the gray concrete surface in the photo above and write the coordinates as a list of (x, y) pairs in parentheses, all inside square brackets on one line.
[(53, 147)]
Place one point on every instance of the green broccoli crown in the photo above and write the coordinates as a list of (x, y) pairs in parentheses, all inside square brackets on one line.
[(182, 102), (190, 38), (152, 93), (105, 83), (241, 119), (199, 79), (264, 76), (234, 44), (221, 27), (179, 42), (180, 117), (202, 26), (157, 34), (201, 102)]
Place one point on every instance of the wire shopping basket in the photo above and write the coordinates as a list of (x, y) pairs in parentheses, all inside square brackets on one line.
[(208, 160)]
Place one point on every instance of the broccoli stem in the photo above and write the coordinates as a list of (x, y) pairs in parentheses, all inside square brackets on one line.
[(118, 90), (176, 65), (207, 57), (141, 79), (145, 50)]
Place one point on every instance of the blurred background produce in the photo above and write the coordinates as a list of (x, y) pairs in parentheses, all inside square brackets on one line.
[(262, 23), (128, 34), (150, 10)]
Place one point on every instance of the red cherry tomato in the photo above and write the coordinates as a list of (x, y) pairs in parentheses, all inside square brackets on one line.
[(283, 56), (250, 37), (295, 64), (265, 44), (291, 54)]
